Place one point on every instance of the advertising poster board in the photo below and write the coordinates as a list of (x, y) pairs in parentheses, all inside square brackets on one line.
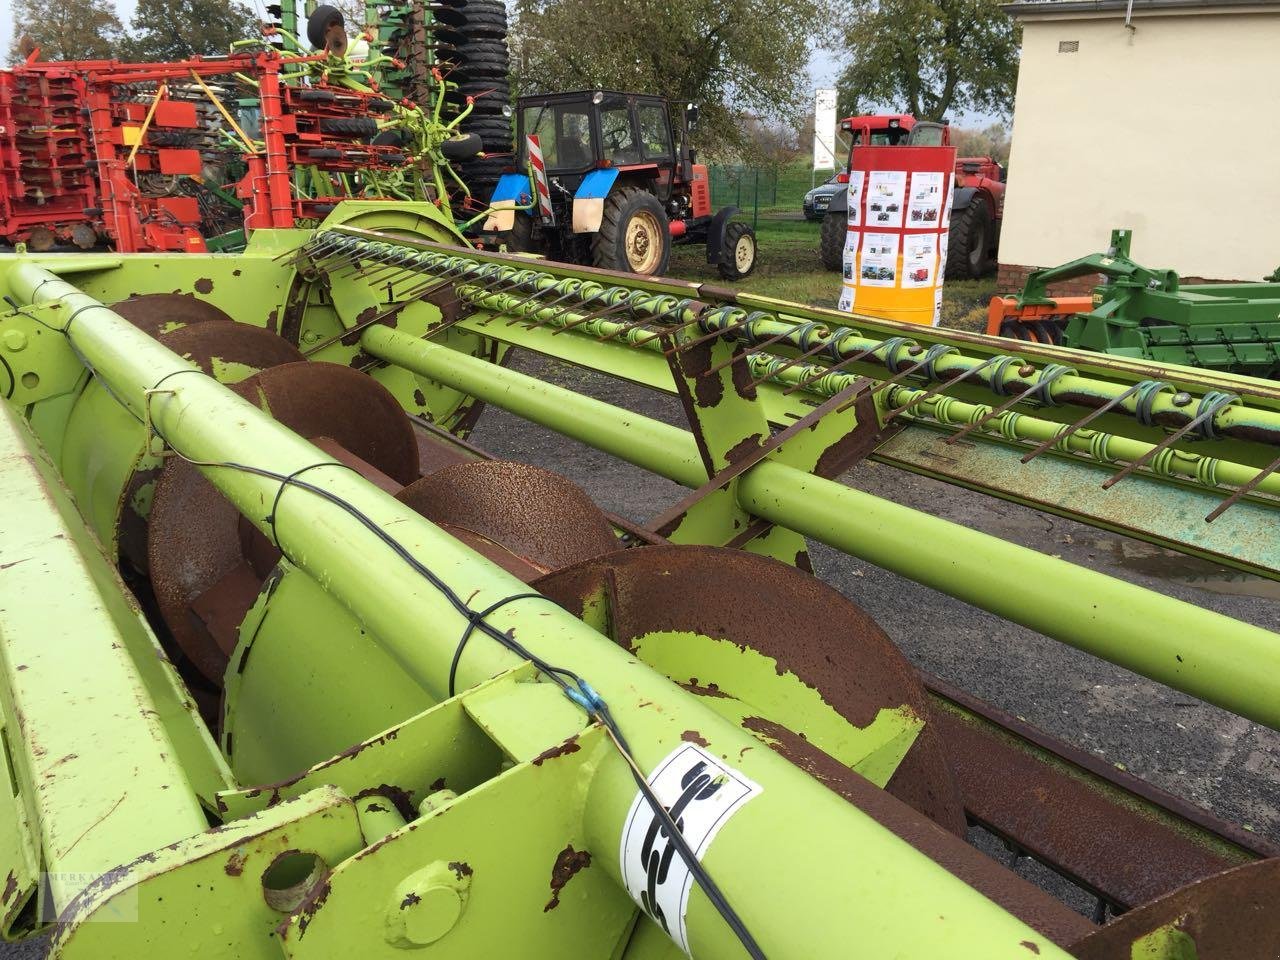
[(896, 246)]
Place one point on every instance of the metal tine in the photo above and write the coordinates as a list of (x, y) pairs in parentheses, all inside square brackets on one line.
[(627, 327), (747, 353), (459, 300), (546, 306), (861, 355), (297, 249), (356, 269), (326, 243), (900, 376), (429, 287), (678, 348), (789, 364), (1248, 488), (1082, 422), (933, 392), (666, 332), (597, 315), (997, 411), (1162, 445)]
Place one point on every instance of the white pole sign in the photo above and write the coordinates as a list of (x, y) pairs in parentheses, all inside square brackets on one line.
[(824, 130)]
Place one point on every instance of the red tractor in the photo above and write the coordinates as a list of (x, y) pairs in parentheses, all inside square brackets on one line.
[(977, 202)]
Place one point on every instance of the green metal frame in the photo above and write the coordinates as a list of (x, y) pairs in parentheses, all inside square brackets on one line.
[(115, 779), (1151, 315)]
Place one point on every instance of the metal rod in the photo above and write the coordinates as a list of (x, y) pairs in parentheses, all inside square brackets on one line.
[(996, 411), (860, 355), (1224, 661), (734, 358), (921, 397), (1164, 444), (1082, 423), (1245, 490), (788, 365)]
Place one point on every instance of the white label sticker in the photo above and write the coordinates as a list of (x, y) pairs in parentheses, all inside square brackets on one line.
[(701, 793)]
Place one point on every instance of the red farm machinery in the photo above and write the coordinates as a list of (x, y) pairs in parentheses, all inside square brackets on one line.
[(190, 155)]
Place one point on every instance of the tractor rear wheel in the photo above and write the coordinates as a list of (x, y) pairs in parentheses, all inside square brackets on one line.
[(967, 256), (831, 244), (520, 238), (738, 251), (634, 236)]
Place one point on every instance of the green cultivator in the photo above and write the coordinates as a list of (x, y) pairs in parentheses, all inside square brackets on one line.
[(288, 667)]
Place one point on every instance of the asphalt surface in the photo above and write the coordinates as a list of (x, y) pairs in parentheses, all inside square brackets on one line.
[(1219, 761)]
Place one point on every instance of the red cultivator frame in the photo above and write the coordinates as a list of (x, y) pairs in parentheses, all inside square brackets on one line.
[(90, 151)]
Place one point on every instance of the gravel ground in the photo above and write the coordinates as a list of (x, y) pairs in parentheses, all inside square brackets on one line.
[(1219, 761)]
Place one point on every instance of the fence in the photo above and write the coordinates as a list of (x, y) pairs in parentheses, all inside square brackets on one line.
[(763, 190)]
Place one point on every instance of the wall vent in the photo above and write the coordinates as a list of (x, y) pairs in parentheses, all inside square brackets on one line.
[(1068, 46)]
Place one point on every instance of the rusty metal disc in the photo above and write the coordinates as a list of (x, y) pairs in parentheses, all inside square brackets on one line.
[(84, 236), (227, 351), (539, 516), (664, 593), (207, 563), (1230, 916), (329, 400), (156, 313), (41, 239)]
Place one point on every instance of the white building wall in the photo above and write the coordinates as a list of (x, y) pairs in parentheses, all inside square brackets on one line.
[(1171, 129)]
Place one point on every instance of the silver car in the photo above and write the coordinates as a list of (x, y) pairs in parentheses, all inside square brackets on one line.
[(818, 199)]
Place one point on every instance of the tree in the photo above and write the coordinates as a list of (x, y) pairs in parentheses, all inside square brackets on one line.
[(166, 30), (66, 29), (929, 57), (731, 57), (991, 141)]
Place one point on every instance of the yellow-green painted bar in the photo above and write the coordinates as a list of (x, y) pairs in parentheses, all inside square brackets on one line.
[(1216, 658)]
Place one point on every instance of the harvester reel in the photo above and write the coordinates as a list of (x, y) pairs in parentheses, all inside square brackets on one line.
[(769, 646), (207, 564)]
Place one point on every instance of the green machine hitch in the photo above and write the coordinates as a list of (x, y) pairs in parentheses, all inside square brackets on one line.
[(1148, 314), (289, 667)]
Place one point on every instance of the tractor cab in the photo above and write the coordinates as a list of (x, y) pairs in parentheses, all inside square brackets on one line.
[(610, 179), (599, 129)]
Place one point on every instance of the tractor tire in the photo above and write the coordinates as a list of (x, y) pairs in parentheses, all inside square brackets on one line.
[(462, 146), (519, 238), (634, 236), (319, 23), (835, 228), (349, 126), (738, 253), (969, 238)]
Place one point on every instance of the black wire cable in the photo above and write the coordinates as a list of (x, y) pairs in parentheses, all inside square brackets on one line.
[(573, 686)]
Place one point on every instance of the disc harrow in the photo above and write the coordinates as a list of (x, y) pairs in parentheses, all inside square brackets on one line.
[(319, 677)]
